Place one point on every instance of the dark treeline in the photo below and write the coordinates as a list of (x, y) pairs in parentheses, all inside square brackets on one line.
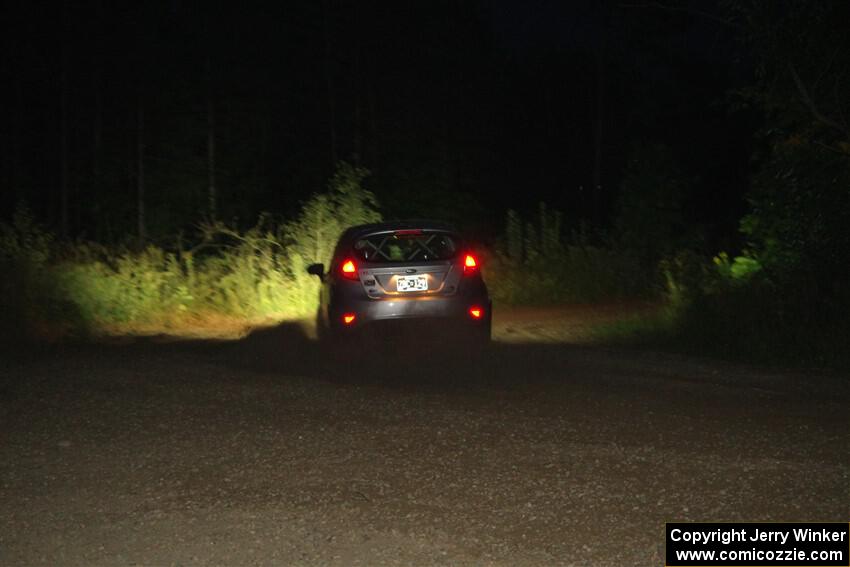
[(129, 118), (695, 151)]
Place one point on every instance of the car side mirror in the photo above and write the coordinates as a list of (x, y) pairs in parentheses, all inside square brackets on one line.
[(317, 270)]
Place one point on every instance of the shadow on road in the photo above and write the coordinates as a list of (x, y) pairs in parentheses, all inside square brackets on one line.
[(399, 358), (404, 360), (408, 358)]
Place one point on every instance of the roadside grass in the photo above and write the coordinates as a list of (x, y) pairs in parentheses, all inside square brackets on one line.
[(572, 274), (740, 329), (90, 290), (233, 281), (536, 263), (229, 279), (636, 329)]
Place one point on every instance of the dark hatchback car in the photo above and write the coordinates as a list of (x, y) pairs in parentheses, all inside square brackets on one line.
[(403, 273)]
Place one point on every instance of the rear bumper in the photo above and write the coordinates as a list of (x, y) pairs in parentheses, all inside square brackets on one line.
[(368, 311)]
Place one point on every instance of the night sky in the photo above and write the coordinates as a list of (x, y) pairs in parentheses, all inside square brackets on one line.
[(459, 109)]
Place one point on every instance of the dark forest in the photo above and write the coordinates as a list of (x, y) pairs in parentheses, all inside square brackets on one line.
[(515, 283), (460, 108), (691, 145)]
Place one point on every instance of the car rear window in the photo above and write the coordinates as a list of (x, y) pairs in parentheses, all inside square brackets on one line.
[(406, 246)]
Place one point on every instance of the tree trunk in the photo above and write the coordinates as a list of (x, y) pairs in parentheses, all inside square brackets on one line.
[(97, 134), (16, 112), (374, 149), (140, 170), (598, 131), (97, 119), (329, 79), (211, 194), (63, 143), (358, 83)]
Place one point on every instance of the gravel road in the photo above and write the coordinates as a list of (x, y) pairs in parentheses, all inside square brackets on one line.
[(270, 450)]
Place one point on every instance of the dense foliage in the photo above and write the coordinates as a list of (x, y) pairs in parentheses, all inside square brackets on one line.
[(783, 296), (536, 262), (251, 274), (696, 155)]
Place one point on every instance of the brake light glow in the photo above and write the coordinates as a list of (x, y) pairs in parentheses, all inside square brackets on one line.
[(349, 269), (349, 318), (470, 265), (476, 312), (408, 232)]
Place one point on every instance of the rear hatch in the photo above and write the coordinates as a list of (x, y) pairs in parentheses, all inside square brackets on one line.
[(408, 263)]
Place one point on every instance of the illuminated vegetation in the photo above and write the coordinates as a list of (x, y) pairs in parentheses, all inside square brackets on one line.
[(249, 275)]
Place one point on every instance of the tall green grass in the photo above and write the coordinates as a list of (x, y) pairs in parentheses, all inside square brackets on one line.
[(85, 287), (32, 300), (257, 273), (536, 263)]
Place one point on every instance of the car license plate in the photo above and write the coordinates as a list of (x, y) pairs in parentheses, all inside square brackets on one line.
[(412, 283)]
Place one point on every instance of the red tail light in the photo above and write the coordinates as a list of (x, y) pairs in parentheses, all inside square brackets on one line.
[(476, 312), (349, 269), (349, 318), (470, 265)]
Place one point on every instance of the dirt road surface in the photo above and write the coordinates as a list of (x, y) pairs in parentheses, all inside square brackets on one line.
[(272, 450)]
